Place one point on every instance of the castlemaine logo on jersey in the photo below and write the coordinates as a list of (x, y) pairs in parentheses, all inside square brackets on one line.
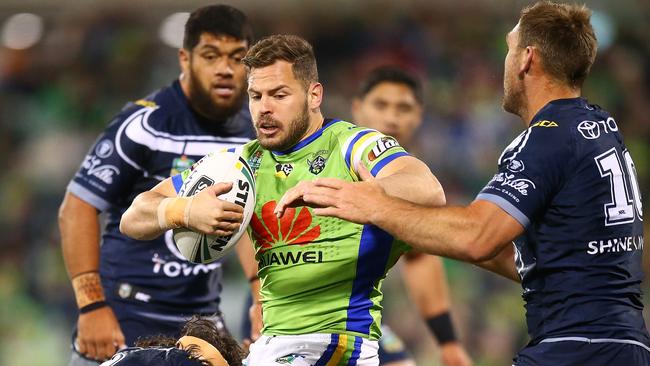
[(294, 228)]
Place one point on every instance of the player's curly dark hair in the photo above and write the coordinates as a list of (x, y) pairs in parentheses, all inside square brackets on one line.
[(217, 20), (203, 328)]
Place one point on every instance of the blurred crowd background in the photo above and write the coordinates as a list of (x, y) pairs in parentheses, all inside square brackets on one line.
[(67, 66)]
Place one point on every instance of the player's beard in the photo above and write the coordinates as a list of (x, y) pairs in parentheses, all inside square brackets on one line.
[(296, 130), (514, 96), (202, 101)]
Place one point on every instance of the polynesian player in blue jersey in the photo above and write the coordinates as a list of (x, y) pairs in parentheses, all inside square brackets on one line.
[(566, 192), (127, 288)]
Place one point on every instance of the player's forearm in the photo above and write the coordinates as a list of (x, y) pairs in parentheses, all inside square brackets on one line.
[(246, 256), (503, 264), (426, 283), (453, 232), (141, 220), (79, 227)]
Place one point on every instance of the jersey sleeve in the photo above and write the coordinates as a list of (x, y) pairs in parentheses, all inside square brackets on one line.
[(531, 170), (371, 148), (111, 166)]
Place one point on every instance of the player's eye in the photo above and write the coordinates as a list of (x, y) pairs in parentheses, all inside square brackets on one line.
[(381, 105), (279, 96), (255, 96), (210, 57), (404, 108)]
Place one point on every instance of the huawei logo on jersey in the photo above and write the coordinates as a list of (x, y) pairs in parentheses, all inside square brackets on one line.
[(291, 229)]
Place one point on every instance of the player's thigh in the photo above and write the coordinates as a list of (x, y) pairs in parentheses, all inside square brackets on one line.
[(570, 353)]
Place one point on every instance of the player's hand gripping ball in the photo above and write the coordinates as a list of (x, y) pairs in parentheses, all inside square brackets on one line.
[(216, 167)]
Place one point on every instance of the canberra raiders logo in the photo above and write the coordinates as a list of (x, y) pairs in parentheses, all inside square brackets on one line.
[(317, 161)]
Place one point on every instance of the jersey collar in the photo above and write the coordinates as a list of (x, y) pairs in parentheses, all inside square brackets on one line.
[(309, 139), (579, 101)]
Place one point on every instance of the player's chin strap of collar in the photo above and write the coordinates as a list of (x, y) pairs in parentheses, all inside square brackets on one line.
[(207, 350)]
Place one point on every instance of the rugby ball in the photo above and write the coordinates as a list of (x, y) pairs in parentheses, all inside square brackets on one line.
[(216, 167)]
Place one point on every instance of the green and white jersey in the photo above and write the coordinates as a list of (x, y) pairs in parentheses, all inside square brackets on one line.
[(320, 274)]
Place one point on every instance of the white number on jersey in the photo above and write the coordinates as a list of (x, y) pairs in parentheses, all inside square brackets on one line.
[(623, 184)]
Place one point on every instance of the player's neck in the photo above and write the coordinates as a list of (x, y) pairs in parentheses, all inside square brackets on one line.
[(540, 95), (316, 121)]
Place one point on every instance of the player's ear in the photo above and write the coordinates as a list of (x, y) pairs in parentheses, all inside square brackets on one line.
[(356, 106), (315, 96), (527, 60), (184, 60)]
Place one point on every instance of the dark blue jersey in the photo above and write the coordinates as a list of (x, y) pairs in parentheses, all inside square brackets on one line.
[(146, 142), (570, 181), (153, 356)]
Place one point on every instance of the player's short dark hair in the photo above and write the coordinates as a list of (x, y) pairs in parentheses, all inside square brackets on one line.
[(289, 48), (217, 20), (564, 37), (391, 74)]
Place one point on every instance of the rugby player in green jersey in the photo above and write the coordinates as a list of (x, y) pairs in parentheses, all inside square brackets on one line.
[(320, 277)]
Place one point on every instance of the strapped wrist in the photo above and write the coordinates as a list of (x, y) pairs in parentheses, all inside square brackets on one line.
[(174, 212), (92, 307), (442, 328), (87, 289)]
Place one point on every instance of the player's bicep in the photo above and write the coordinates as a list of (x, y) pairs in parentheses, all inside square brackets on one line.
[(405, 164)]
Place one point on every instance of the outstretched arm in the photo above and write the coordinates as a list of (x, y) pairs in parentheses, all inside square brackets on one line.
[(405, 177), (158, 210), (475, 233)]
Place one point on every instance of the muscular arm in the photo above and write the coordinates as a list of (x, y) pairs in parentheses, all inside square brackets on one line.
[(79, 226), (475, 233), (503, 263), (140, 220), (158, 210), (410, 179), (98, 332), (405, 177)]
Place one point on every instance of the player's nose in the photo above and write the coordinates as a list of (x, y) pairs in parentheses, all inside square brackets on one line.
[(223, 67)]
